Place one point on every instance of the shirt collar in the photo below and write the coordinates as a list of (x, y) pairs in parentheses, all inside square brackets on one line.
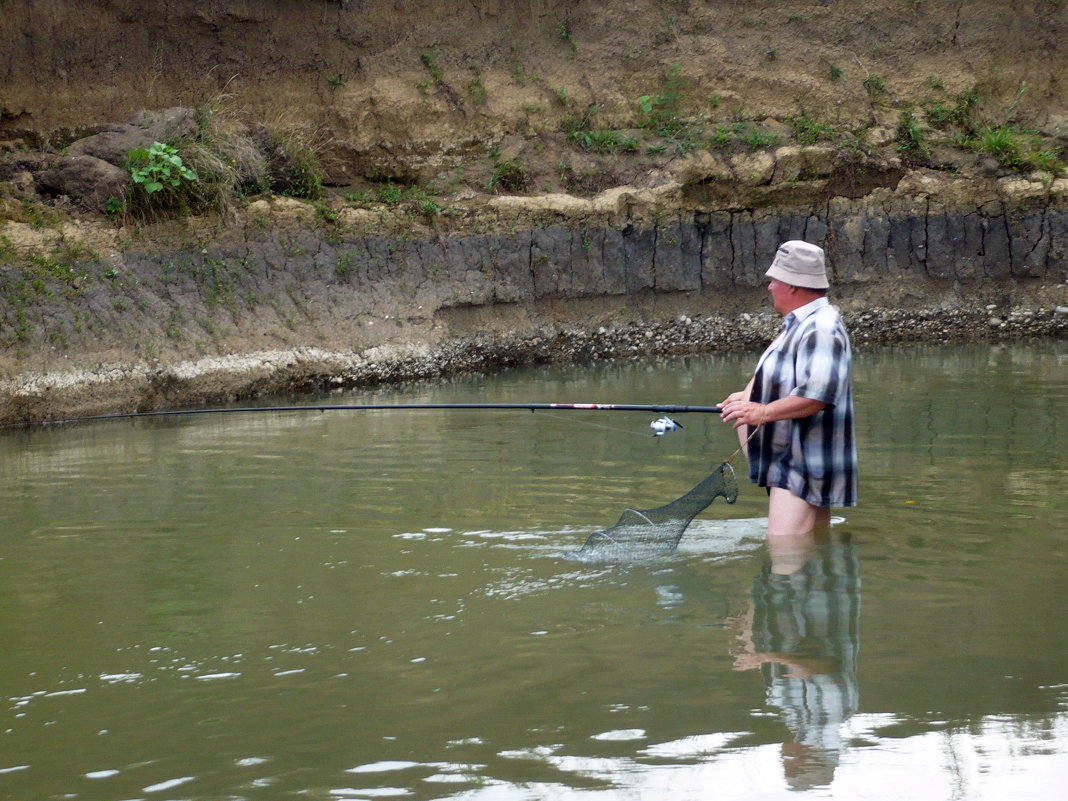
[(801, 312)]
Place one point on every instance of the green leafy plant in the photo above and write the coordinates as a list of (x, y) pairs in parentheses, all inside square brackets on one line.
[(7, 249), (662, 112), (159, 168), (722, 137), (207, 169), (391, 194), (429, 207), (602, 139), (1002, 142)]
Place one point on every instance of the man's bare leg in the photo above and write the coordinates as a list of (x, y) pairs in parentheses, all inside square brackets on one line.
[(788, 515)]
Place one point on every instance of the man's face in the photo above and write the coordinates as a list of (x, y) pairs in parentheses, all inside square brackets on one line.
[(781, 296)]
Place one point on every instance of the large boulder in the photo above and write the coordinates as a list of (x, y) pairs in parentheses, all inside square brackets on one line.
[(114, 144), (86, 180), (166, 125)]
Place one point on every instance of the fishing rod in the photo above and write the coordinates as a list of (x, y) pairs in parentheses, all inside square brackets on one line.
[(369, 407)]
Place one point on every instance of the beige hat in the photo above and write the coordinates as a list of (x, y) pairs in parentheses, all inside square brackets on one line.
[(799, 264)]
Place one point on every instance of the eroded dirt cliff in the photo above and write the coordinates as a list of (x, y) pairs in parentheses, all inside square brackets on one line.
[(413, 89)]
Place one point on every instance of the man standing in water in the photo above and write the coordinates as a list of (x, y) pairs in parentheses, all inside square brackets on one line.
[(796, 414)]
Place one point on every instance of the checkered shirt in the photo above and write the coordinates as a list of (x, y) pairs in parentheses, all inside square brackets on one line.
[(815, 457)]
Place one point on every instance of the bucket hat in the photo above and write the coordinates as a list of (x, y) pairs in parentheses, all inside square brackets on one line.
[(800, 264)]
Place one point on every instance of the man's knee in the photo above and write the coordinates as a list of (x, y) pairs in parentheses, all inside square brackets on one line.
[(790, 515)]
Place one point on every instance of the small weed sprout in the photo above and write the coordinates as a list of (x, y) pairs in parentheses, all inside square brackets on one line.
[(875, 86), (508, 174), (428, 58), (911, 136), (961, 113), (761, 139), (476, 90), (346, 264), (807, 131), (1016, 149), (605, 140), (562, 97), (7, 250)]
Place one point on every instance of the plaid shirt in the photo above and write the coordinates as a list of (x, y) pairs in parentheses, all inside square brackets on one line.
[(815, 457)]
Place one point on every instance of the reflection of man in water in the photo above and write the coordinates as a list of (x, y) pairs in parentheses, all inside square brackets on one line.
[(803, 630)]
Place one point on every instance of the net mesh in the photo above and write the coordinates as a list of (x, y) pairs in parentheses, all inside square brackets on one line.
[(644, 533)]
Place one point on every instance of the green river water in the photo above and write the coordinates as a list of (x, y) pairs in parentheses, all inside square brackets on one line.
[(373, 605)]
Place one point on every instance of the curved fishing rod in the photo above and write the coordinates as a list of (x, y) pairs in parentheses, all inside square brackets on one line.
[(368, 407)]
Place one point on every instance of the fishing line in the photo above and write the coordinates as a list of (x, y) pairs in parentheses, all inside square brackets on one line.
[(572, 421)]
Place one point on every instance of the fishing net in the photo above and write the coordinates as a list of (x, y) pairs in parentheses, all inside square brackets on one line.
[(645, 533)]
